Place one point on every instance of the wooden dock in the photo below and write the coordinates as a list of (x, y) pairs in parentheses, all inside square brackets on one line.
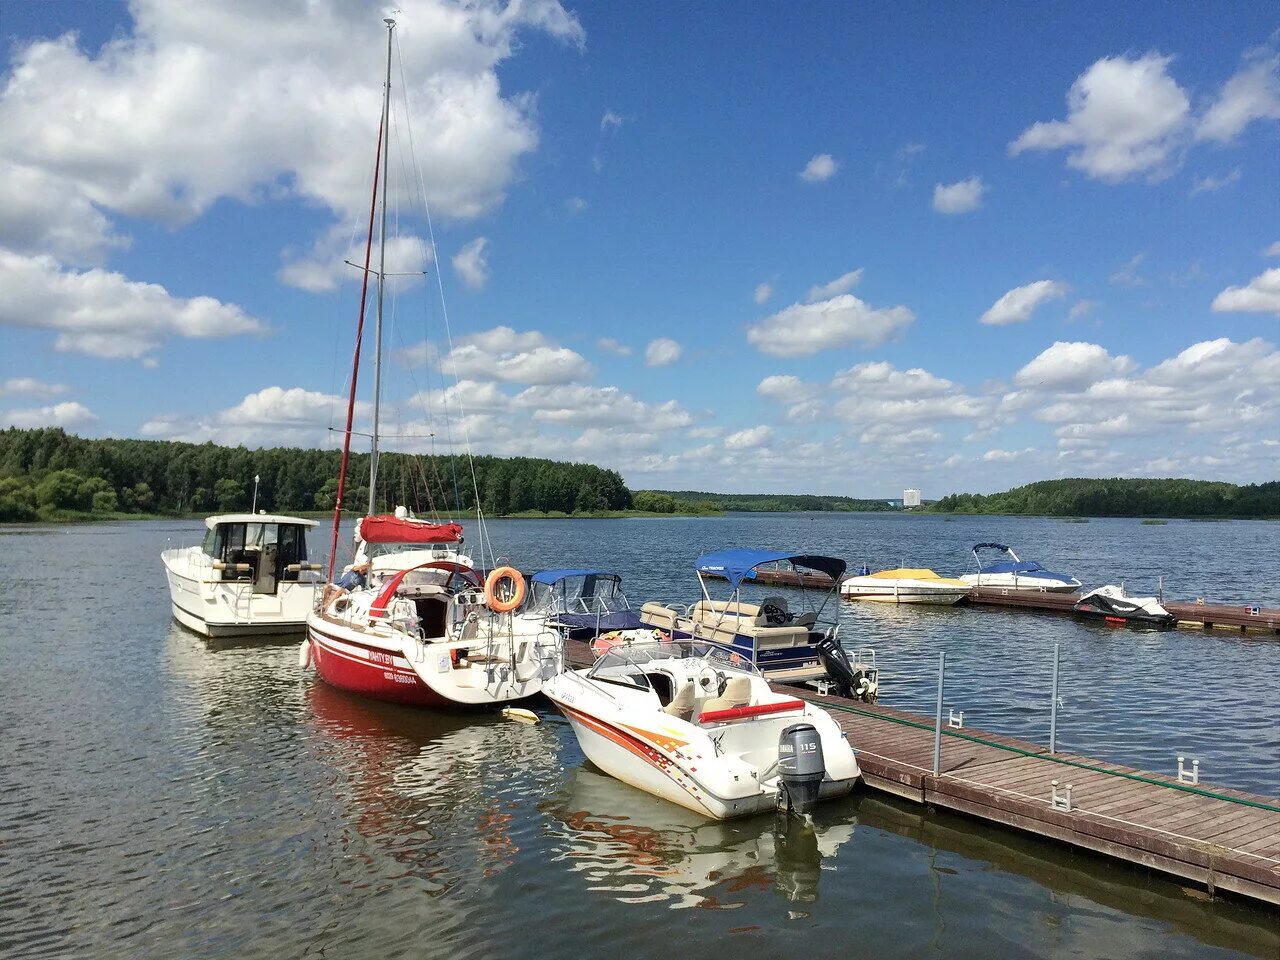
[(1217, 838), (1242, 617)]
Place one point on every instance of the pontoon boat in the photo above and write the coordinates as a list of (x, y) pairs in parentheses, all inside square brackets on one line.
[(787, 646)]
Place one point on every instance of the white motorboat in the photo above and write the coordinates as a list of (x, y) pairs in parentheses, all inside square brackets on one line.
[(1016, 574), (904, 585), (249, 576), (696, 724)]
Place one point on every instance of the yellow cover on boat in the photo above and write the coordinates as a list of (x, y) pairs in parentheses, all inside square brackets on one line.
[(904, 573)]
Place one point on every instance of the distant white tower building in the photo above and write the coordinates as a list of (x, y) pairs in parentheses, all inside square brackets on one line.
[(911, 498)]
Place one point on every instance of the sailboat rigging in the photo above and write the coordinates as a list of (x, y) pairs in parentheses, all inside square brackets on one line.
[(412, 621)]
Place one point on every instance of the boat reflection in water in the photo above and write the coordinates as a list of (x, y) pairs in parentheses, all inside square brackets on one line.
[(640, 849), (420, 785)]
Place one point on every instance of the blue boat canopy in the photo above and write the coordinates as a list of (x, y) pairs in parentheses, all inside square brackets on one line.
[(553, 577), (990, 546), (739, 563)]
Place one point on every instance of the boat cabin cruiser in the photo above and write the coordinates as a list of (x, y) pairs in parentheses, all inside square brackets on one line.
[(584, 605), (786, 646), (1016, 574), (249, 576), (430, 634), (1112, 605), (905, 585), (697, 724)]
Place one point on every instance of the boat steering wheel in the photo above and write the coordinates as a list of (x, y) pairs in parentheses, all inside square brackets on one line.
[(709, 678)]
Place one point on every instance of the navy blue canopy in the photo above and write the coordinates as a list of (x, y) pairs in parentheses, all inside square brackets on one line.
[(992, 546), (555, 576), (738, 564)]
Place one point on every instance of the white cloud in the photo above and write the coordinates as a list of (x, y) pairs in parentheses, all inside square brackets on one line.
[(610, 122), (804, 329), (894, 435), (750, 438), (226, 99), (272, 415), (960, 197), (762, 293), (504, 354), (613, 346), (841, 284), (662, 352), (1212, 184), (883, 380), (1071, 365), (1127, 275), (575, 205), (586, 406), (325, 265), (1124, 117), (1252, 94), (31, 387), (68, 415), (1261, 295), (1004, 456), (1273, 250), (105, 314), (1020, 303), (820, 167), (471, 263), (1081, 309), (41, 213)]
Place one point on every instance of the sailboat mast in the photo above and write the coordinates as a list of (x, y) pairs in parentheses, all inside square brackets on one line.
[(382, 279)]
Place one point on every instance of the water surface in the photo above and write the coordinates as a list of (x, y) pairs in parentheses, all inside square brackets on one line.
[(164, 797)]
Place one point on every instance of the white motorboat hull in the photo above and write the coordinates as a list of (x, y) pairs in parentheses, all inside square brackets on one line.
[(907, 593), (1031, 584), (230, 608)]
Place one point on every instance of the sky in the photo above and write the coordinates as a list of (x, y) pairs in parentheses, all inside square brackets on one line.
[(810, 248)]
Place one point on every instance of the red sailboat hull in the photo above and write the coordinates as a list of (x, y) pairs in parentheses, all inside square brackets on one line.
[(369, 671)]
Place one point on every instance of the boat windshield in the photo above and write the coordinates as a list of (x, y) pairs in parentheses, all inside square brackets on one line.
[(633, 659), (592, 594)]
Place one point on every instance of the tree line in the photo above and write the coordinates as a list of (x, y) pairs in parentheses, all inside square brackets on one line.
[(765, 502), (50, 474), (1122, 497)]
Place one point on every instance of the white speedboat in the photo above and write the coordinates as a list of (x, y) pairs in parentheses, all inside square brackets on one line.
[(695, 723), (250, 576), (1016, 574), (904, 585)]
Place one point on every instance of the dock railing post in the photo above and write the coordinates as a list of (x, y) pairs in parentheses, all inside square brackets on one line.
[(1053, 702), (937, 724)]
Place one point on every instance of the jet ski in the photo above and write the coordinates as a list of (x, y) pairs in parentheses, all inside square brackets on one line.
[(1111, 604)]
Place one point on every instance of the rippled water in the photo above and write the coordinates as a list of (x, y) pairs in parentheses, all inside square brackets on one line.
[(163, 797)]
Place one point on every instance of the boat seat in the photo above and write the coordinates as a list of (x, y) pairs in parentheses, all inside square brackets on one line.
[(682, 703), (737, 693), (768, 638), (709, 611), (804, 619), (660, 616)]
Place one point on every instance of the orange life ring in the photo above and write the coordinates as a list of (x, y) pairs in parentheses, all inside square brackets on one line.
[(491, 582)]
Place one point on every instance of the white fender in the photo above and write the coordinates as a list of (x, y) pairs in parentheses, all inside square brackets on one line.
[(304, 654)]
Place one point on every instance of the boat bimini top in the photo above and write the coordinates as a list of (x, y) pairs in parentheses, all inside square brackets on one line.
[(1016, 566), (739, 563), (582, 599)]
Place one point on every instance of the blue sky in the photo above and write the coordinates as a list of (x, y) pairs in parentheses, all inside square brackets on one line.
[(829, 249)]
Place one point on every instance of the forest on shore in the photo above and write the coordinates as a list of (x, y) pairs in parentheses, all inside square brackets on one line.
[(762, 502), (1122, 497), (48, 474)]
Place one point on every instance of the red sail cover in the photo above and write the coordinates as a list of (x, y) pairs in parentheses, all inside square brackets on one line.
[(390, 529)]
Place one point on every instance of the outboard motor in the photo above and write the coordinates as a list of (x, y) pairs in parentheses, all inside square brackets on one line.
[(801, 767), (839, 669)]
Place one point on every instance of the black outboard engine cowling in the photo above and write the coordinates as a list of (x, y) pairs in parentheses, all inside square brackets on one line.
[(801, 767), (839, 669)]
